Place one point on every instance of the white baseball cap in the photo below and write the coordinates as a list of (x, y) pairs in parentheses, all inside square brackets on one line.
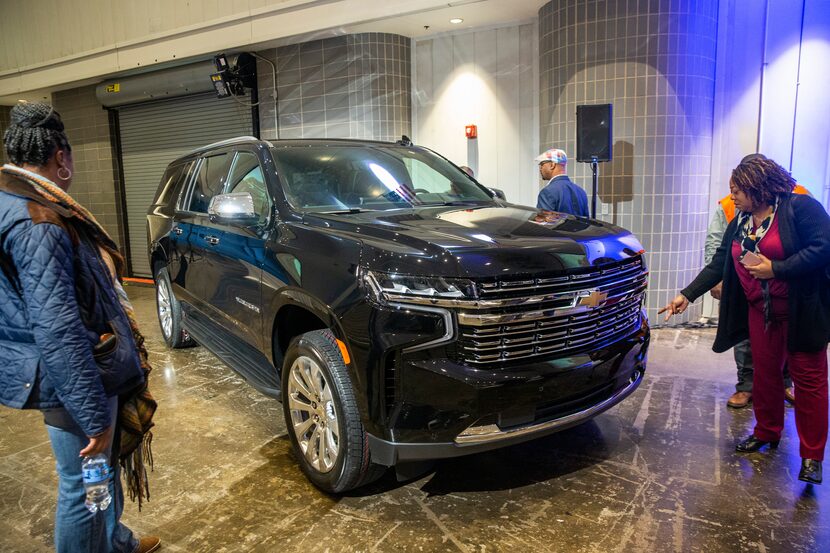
[(554, 155)]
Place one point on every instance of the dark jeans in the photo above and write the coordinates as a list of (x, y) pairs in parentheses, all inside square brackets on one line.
[(743, 360), (76, 529)]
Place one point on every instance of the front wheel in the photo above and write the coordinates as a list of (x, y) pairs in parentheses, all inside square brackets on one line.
[(322, 415), (170, 313)]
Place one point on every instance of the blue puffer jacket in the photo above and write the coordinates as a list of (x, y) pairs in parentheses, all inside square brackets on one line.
[(55, 293)]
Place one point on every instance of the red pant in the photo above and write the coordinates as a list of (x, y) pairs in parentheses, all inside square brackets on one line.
[(809, 373)]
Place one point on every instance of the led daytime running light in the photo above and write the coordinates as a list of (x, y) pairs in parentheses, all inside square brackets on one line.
[(409, 285)]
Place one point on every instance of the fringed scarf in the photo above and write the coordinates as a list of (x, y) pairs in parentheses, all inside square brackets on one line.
[(749, 241), (135, 410)]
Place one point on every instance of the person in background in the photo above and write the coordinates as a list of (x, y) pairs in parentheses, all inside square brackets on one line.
[(773, 262), (60, 300), (723, 215), (560, 194)]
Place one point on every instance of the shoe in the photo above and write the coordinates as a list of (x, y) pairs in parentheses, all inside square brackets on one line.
[(739, 400), (789, 395), (148, 544), (810, 471), (754, 444)]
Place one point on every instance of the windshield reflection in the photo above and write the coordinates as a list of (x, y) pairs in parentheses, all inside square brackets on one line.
[(355, 178)]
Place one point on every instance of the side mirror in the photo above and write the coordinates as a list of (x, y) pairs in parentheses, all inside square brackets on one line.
[(498, 194), (233, 209)]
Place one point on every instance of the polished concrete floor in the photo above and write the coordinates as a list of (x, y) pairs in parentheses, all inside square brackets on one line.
[(656, 473)]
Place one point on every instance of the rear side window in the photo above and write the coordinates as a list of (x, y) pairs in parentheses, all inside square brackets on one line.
[(209, 182), (171, 182)]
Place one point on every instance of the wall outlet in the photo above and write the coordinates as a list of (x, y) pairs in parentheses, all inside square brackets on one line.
[(606, 208)]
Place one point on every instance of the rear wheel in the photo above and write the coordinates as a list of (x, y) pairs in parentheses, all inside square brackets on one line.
[(322, 415), (170, 313)]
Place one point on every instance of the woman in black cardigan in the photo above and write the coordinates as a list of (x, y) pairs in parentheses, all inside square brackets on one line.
[(774, 262)]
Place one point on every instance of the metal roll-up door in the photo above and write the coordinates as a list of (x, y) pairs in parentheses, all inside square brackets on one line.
[(154, 134)]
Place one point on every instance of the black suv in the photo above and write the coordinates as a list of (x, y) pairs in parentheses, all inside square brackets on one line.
[(399, 309)]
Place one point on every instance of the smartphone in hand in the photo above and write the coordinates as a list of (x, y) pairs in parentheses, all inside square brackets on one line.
[(749, 259)]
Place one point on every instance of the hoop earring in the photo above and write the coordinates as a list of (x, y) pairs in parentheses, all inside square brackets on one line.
[(67, 173)]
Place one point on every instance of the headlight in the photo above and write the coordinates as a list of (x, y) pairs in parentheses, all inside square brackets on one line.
[(397, 287)]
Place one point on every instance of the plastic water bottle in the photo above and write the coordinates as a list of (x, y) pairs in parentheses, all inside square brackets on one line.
[(96, 473)]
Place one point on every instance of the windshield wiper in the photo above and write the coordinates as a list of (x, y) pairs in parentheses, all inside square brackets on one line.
[(346, 211), (452, 203)]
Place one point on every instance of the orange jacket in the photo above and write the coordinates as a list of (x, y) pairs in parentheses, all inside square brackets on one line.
[(729, 206)]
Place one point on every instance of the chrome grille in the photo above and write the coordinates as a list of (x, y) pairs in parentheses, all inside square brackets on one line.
[(561, 314)]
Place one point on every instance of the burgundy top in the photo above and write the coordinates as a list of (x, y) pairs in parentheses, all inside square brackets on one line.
[(771, 246)]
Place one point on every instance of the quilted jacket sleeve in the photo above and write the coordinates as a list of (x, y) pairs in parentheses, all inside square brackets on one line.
[(43, 255)]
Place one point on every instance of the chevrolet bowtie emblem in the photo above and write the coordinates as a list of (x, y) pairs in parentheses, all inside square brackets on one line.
[(593, 299)]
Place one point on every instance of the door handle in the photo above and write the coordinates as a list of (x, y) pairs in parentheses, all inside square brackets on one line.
[(212, 240)]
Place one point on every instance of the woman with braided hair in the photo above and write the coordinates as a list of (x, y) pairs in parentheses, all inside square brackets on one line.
[(69, 345), (774, 261)]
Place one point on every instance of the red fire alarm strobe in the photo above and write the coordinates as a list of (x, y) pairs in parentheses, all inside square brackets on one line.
[(471, 131)]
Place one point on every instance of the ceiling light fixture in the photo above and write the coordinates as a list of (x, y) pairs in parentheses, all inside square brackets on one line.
[(456, 21)]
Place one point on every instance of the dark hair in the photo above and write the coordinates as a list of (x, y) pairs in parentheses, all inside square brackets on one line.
[(762, 180), (750, 157), (34, 134)]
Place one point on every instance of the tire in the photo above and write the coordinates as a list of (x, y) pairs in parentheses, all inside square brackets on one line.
[(169, 313), (313, 366)]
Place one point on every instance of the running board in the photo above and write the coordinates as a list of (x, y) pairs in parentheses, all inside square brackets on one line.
[(246, 361)]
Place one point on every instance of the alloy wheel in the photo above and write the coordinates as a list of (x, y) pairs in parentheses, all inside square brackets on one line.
[(165, 310), (313, 415)]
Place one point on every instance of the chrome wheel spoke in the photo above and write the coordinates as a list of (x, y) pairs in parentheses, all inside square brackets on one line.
[(331, 439), (325, 396), (304, 373), (322, 450), (317, 380), (301, 428), (313, 446), (298, 381), (294, 402), (334, 429)]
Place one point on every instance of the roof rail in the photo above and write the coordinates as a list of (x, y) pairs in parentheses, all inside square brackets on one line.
[(228, 142)]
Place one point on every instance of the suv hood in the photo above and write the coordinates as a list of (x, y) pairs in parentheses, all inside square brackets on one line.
[(478, 241)]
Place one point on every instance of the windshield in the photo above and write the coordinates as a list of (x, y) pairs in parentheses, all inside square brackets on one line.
[(329, 178)]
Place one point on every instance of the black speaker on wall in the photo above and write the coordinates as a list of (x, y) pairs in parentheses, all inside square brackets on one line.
[(593, 132)]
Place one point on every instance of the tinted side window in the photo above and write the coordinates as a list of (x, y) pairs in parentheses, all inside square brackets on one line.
[(246, 176), (209, 182), (171, 182)]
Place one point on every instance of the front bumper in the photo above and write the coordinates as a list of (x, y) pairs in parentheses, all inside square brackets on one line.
[(446, 409)]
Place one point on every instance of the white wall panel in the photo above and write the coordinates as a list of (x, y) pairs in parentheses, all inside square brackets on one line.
[(780, 78), (787, 117), (484, 77), (811, 140)]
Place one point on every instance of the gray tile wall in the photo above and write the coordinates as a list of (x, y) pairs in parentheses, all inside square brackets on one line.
[(353, 86), (654, 60), (95, 184)]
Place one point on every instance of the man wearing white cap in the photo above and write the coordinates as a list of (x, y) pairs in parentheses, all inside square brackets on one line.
[(560, 194)]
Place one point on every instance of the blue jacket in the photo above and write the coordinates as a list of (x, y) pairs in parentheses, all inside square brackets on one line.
[(562, 195), (55, 297)]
